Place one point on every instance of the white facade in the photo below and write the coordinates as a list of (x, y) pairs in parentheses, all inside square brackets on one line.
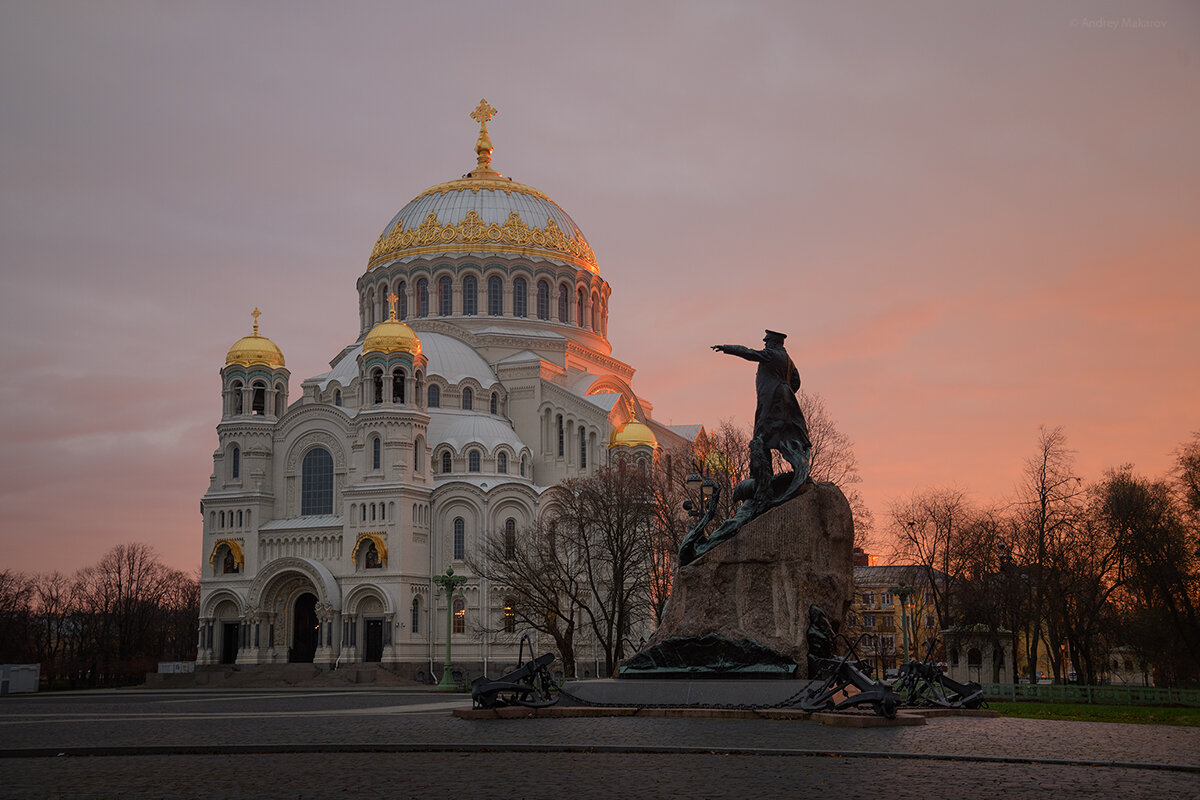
[(327, 517)]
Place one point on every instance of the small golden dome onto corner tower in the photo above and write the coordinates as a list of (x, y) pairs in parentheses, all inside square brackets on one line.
[(254, 349), (392, 335), (633, 434)]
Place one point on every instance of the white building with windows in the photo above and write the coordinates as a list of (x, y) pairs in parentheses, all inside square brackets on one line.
[(481, 377)]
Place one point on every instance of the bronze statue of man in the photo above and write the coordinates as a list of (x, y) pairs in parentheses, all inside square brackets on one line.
[(778, 421), (778, 425)]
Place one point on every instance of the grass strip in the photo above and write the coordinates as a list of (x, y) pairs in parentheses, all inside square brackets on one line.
[(1086, 712)]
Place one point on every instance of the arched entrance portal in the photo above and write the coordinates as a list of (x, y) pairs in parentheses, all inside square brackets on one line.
[(304, 629)]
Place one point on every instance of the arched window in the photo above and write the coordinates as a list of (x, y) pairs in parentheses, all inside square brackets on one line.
[(520, 297), (280, 399), (473, 461), (562, 444), (371, 308), (435, 397), (582, 447), (460, 538), (399, 379), (468, 399), (522, 466), (595, 312), (236, 390), (543, 300), (239, 519), (460, 615), (446, 461), (376, 452), (259, 406), (316, 482), (580, 318), (377, 386), (222, 519), (235, 468), (423, 297), (494, 404), (364, 512), (445, 296), (402, 301), (510, 617), (502, 463), (418, 452), (372, 512), (337, 397), (383, 511), (510, 538), (495, 296), (470, 296), (384, 306), (564, 303), (416, 615)]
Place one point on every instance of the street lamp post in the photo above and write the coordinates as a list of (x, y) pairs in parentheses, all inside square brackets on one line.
[(903, 591), (708, 494), (448, 584)]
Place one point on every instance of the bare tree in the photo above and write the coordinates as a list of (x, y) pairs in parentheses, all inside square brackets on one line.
[(15, 615), (1155, 567), (541, 576), (1049, 505), (119, 598), (54, 603), (606, 518), (937, 529), (833, 460), (669, 490)]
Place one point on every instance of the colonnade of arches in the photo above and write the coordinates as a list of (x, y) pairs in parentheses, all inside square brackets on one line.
[(571, 439), (468, 292), (255, 397)]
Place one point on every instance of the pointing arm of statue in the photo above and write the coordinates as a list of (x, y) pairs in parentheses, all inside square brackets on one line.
[(739, 351)]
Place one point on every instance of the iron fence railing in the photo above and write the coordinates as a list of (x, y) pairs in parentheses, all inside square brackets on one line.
[(1108, 694)]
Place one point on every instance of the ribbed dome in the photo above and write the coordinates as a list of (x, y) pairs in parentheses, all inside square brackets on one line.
[(483, 212), (254, 350), (392, 336), (633, 434)]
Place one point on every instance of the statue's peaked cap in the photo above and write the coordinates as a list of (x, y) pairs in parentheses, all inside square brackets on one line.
[(777, 333)]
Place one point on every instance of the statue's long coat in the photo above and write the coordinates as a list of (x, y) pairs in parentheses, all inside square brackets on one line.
[(777, 417)]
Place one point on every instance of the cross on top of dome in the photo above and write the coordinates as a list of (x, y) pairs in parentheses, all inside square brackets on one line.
[(483, 145), (392, 298), (483, 113)]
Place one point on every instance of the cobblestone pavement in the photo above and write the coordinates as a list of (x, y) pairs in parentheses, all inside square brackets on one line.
[(822, 761)]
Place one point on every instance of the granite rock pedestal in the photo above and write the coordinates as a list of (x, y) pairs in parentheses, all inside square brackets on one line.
[(759, 584)]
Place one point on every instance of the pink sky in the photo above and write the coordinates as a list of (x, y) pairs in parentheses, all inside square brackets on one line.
[(971, 219)]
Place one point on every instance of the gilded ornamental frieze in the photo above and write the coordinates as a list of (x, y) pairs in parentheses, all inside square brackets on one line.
[(472, 231)]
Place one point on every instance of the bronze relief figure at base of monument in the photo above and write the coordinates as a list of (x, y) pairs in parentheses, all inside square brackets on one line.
[(756, 589)]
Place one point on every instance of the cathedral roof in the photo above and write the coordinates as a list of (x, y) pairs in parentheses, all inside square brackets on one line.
[(483, 212), (461, 428), (633, 434), (392, 336), (254, 349), (454, 360)]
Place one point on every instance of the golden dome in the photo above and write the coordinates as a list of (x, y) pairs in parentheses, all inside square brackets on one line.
[(633, 434), (483, 212), (392, 335), (254, 349)]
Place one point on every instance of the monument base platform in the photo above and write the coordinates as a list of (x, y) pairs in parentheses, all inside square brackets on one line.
[(681, 692)]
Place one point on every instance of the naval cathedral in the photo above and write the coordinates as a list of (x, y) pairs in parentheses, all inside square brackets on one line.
[(481, 377)]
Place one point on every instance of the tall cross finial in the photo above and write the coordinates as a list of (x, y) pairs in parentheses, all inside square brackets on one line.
[(483, 145), (392, 298), (256, 314), (483, 113)]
